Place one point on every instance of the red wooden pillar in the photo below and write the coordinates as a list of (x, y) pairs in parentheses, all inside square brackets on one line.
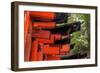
[(43, 16), (44, 25), (27, 36), (46, 41), (34, 51), (65, 49), (53, 57), (50, 50), (41, 34)]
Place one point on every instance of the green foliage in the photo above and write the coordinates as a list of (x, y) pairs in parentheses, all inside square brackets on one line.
[(81, 38)]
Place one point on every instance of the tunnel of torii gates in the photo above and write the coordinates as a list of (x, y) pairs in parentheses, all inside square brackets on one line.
[(47, 36)]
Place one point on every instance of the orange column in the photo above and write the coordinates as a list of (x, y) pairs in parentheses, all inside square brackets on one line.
[(34, 51), (43, 16), (65, 49), (27, 36), (50, 50), (53, 57), (41, 34), (45, 25)]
